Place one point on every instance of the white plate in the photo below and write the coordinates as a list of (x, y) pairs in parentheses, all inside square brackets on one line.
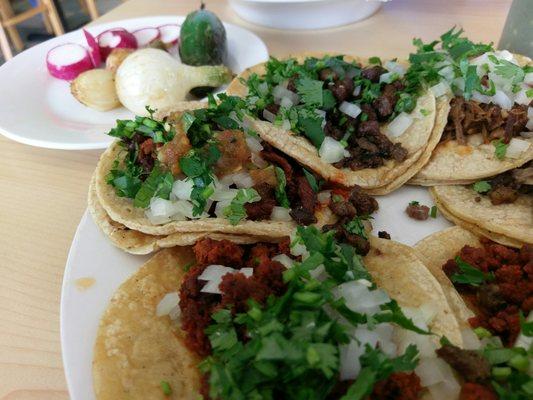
[(92, 256), (38, 110)]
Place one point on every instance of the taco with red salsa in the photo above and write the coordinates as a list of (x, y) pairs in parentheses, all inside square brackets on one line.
[(205, 170), (488, 126), (307, 319), (499, 208), (351, 121)]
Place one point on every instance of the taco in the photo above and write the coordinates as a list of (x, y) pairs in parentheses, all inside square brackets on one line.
[(310, 320), (500, 208), (136, 242), (352, 122), (489, 124), (203, 170), (489, 286)]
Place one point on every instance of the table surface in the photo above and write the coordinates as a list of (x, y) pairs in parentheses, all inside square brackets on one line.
[(44, 191)]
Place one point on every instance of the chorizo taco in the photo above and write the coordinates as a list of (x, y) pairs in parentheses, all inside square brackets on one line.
[(488, 127), (309, 319), (203, 170), (352, 122), (499, 208)]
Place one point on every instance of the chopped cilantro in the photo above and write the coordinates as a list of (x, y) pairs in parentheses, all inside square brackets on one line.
[(433, 212), (374, 60), (414, 203), (159, 131), (312, 180), (482, 186), (281, 194), (197, 166), (424, 112), (310, 91), (158, 184), (529, 93), (500, 148), (470, 275), (165, 387), (510, 71), (356, 227), (526, 327), (236, 212), (311, 126)]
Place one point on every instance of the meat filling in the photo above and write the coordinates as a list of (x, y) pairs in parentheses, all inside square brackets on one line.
[(507, 290), (507, 187), (468, 117)]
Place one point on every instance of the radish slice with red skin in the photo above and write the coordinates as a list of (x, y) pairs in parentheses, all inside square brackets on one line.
[(145, 36), (94, 49), (67, 61), (114, 39), (170, 34)]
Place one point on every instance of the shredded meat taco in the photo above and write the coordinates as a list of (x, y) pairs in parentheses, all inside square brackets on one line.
[(307, 319), (205, 170), (488, 127), (351, 122), (499, 208)]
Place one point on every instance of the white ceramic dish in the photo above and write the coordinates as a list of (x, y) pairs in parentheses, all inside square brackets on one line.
[(304, 14), (92, 256), (38, 110)]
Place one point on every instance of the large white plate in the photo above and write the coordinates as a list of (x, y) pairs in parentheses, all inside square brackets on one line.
[(38, 110), (92, 256)]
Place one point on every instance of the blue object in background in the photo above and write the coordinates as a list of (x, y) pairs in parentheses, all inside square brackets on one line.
[(33, 3)]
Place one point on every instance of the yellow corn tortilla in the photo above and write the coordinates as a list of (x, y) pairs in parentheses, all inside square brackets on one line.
[(508, 224), (452, 163), (440, 247), (135, 349), (417, 140), (135, 242)]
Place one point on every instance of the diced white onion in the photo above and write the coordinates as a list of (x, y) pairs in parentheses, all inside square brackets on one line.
[(280, 214), (268, 115), (258, 161), (521, 97), (501, 99), (470, 339), (425, 344), (506, 55), (279, 92), (349, 360), (324, 196), (359, 298), (516, 148), (482, 98), (445, 390), (387, 77), (475, 140), (357, 91), (459, 84), (399, 125), (331, 150), (284, 259), (440, 89), (219, 208), (254, 144), (286, 125), (527, 135), (432, 370), (528, 79), (223, 193), (182, 189), (286, 102), (394, 67), (167, 303), (241, 179), (447, 73), (247, 272), (350, 109), (214, 272), (262, 88)]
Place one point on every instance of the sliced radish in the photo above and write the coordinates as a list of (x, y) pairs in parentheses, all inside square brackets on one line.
[(68, 60), (94, 50), (145, 36), (170, 34), (115, 39)]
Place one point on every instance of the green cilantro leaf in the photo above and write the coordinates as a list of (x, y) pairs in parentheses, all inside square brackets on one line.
[(500, 148), (482, 186), (470, 275), (310, 91), (158, 184), (356, 227), (281, 194), (312, 180), (374, 60), (433, 212), (510, 71), (165, 387), (526, 327), (236, 212)]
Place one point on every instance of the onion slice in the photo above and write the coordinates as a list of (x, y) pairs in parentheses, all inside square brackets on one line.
[(516, 148), (399, 125), (68, 60), (145, 36)]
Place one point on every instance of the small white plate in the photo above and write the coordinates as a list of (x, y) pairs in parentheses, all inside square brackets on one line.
[(38, 110), (92, 256)]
